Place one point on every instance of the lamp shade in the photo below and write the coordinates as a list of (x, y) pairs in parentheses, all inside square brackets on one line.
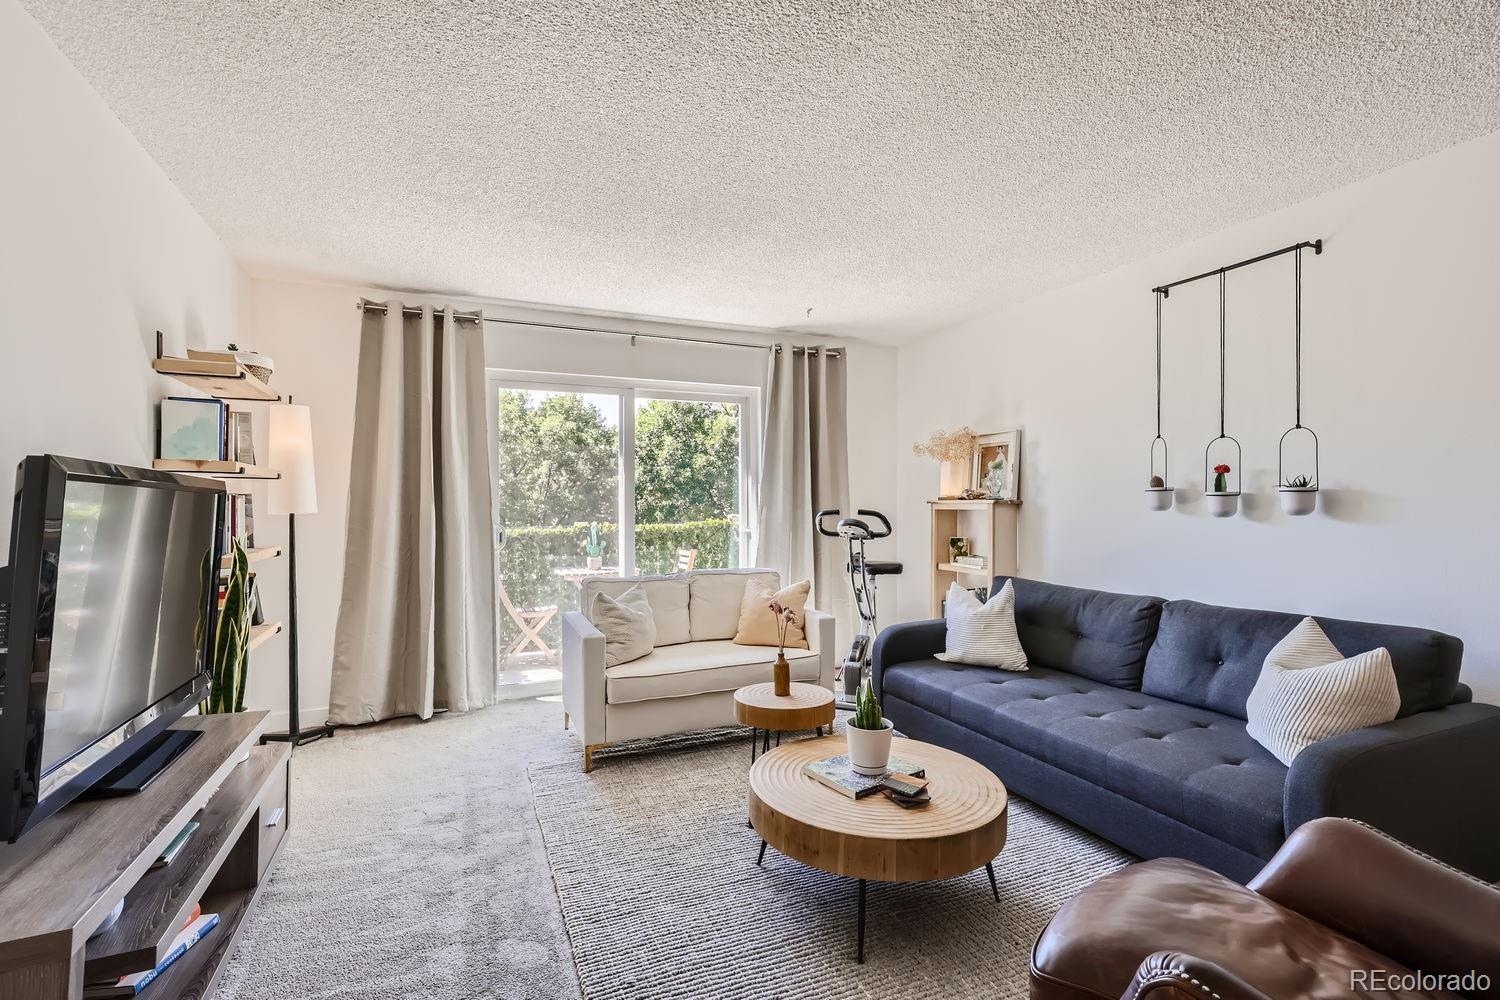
[(296, 490)]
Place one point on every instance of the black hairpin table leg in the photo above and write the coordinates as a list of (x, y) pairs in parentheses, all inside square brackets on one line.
[(860, 947), (990, 868), (762, 858)]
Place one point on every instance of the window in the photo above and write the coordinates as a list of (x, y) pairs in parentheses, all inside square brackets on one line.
[(606, 477)]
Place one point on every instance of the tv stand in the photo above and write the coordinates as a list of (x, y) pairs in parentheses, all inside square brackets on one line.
[(60, 882), (141, 768)]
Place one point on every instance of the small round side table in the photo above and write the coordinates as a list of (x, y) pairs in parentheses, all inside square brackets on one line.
[(807, 707)]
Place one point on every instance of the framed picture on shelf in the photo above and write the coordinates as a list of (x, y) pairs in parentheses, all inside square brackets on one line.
[(997, 465), (191, 428)]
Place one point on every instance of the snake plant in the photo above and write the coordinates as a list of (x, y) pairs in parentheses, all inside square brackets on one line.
[(230, 657), (867, 708)]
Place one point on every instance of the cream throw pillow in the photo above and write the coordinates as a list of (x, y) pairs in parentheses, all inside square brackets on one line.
[(758, 623), (983, 635), (629, 630), (1308, 691)]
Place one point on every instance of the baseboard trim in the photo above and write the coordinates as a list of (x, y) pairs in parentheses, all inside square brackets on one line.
[(308, 717)]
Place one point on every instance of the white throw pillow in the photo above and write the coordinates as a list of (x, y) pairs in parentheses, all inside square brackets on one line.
[(629, 630), (983, 635), (1308, 691)]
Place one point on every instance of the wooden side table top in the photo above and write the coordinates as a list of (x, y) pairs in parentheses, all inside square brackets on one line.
[(807, 707), (962, 829)]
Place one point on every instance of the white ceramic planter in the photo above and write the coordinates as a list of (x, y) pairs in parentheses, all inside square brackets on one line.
[(870, 749), (1159, 497), (596, 562), (1222, 504), (1299, 501)]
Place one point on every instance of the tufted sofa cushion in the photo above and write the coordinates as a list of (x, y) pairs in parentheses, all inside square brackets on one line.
[(1210, 656), (1088, 632), (1197, 766)]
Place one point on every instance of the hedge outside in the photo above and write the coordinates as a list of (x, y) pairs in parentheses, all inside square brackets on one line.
[(531, 554)]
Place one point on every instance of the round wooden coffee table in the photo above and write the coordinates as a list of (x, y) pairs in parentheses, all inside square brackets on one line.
[(961, 830), (758, 706)]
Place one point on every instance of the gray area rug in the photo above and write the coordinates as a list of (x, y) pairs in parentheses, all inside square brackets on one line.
[(414, 868), (417, 868), (662, 896)]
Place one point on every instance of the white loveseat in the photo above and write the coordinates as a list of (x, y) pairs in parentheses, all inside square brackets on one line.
[(688, 681)]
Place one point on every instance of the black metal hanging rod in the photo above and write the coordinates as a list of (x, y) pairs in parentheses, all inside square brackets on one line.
[(1316, 245)]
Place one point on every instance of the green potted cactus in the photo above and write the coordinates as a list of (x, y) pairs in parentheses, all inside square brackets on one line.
[(869, 733), (593, 548)]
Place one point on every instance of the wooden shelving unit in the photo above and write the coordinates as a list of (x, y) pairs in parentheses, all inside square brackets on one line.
[(214, 468), (990, 527), (61, 883), (260, 633), (219, 379)]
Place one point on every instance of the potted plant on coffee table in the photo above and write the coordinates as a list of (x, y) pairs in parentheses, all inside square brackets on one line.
[(869, 733)]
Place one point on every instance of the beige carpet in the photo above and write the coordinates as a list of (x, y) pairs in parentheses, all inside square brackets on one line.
[(417, 868), (663, 899)]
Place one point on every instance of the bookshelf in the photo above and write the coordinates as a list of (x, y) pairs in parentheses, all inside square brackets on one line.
[(990, 527)]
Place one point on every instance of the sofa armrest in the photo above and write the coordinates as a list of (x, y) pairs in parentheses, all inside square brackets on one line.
[(1370, 887), (583, 677), (1169, 975), (906, 642), (1427, 779), (819, 627)]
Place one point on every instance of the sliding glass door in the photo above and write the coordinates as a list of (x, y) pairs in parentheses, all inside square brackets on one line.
[(607, 478)]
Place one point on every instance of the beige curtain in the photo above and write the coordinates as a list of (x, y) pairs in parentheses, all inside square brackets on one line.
[(416, 625), (804, 468)]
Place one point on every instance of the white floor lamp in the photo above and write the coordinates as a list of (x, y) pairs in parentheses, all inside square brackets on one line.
[(293, 492)]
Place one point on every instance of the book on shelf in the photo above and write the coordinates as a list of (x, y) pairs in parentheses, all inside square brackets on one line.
[(133, 984), (838, 774), (976, 562), (174, 848)]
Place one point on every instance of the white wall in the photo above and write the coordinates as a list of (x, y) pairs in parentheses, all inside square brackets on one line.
[(312, 332), (98, 250), (1401, 323)]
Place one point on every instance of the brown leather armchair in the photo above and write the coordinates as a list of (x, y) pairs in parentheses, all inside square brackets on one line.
[(1342, 910)]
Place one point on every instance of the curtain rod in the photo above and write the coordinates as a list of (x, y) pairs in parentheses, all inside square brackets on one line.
[(1316, 245), (364, 305)]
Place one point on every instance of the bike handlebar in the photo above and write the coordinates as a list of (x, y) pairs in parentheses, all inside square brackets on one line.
[(876, 514), (874, 533)]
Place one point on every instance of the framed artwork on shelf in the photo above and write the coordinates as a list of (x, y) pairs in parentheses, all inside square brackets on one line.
[(191, 429), (997, 465)]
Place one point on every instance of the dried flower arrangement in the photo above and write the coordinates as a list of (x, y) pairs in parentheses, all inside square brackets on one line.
[(949, 446)]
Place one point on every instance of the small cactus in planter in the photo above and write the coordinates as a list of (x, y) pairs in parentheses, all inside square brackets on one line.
[(1221, 478), (869, 733)]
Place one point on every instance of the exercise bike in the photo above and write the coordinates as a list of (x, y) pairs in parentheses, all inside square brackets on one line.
[(862, 574)]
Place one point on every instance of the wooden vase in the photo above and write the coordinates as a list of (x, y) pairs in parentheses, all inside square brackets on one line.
[(781, 676)]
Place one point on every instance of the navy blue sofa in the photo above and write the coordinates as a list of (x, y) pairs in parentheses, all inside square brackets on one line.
[(1130, 721)]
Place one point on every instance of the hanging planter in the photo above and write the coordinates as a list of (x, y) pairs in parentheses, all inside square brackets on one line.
[(1158, 494), (1299, 493), (1221, 494)]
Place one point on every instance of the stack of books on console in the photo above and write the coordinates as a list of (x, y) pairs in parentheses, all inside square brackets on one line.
[(198, 926), (973, 562)]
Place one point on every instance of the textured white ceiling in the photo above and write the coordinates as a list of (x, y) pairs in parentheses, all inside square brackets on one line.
[(892, 166)]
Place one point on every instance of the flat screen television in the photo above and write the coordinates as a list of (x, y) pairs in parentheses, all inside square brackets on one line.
[(106, 628)]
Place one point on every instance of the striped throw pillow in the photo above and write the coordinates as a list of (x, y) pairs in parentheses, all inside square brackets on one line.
[(1308, 691), (983, 635)]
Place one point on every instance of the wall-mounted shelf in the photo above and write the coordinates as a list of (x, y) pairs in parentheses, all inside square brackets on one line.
[(220, 379), (216, 469), (260, 633), (254, 555)]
